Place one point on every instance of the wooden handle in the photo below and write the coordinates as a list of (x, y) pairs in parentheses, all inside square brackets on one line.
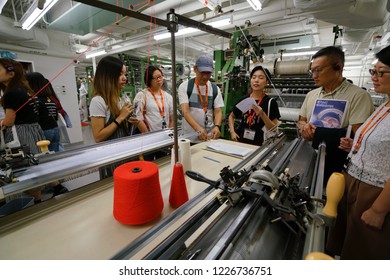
[(318, 256), (334, 193), (43, 145)]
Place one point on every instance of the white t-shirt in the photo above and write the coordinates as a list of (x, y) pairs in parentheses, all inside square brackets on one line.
[(152, 115), (99, 108), (196, 109)]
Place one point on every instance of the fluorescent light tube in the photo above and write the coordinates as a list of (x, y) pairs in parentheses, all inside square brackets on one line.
[(2, 4), (255, 4), (33, 14), (189, 30), (94, 54)]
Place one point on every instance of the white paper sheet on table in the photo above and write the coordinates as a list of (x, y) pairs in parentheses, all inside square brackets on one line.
[(229, 149), (246, 104)]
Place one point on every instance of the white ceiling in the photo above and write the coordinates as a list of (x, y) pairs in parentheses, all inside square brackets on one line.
[(364, 25)]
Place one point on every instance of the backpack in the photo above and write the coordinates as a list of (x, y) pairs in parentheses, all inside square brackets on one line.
[(190, 87)]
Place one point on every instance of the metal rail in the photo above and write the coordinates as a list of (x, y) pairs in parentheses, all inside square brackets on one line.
[(81, 160)]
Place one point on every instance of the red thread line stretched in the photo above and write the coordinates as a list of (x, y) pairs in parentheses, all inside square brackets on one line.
[(94, 43)]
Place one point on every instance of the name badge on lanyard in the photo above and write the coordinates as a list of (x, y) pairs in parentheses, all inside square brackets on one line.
[(206, 119), (164, 123), (249, 134)]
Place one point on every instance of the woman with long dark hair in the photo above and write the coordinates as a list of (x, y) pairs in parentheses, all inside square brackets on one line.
[(21, 108), (48, 113), (109, 113)]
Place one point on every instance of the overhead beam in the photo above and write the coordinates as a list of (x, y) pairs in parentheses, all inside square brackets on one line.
[(181, 19)]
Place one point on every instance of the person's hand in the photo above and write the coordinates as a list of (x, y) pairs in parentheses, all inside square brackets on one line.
[(373, 219), (258, 110), (346, 144), (133, 120), (215, 133), (126, 111), (203, 134), (234, 136), (307, 131)]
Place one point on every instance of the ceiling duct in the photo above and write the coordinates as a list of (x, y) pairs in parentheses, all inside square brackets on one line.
[(354, 14), (34, 38)]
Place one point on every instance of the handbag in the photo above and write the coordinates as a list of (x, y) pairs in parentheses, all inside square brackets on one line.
[(12, 144), (272, 132), (64, 136)]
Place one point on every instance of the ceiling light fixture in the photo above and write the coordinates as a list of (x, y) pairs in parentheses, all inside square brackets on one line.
[(94, 54), (208, 4), (189, 30), (36, 11), (255, 4)]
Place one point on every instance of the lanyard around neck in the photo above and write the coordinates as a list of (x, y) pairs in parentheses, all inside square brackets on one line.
[(251, 115), (205, 102), (369, 126), (161, 108)]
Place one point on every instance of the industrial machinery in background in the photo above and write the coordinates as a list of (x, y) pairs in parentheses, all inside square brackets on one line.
[(290, 79)]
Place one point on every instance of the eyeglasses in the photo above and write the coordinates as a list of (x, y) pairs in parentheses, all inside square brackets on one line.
[(317, 70), (377, 73), (159, 78)]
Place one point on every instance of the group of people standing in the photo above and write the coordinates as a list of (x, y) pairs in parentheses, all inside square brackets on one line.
[(363, 225), (32, 107)]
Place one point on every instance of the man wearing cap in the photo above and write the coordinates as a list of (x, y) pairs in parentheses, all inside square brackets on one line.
[(201, 102)]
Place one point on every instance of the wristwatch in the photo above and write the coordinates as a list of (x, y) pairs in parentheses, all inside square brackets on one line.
[(217, 125)]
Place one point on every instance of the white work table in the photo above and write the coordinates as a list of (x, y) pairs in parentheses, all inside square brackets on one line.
[(86, 228)]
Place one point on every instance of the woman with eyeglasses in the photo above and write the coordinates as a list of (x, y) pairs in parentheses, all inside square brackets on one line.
[(362, 228), (154, 105)]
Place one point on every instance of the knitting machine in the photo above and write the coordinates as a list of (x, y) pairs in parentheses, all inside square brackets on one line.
[(268, 207), (22, 171)]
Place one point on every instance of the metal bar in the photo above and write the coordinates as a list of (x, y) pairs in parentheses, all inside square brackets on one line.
[(320, 167), (97, 155), (173, 29), (123, 11), (230, 233), (182, 20), (204, 27)]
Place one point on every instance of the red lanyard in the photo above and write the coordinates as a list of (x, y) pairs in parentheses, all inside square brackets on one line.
[(370, 124), (205, 103), (162, 110), (251, 116)]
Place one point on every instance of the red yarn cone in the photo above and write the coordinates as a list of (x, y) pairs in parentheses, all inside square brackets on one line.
[(178, 194)]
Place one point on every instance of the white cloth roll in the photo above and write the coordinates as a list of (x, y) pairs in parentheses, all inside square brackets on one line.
[(185, 153), (289, 114)]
